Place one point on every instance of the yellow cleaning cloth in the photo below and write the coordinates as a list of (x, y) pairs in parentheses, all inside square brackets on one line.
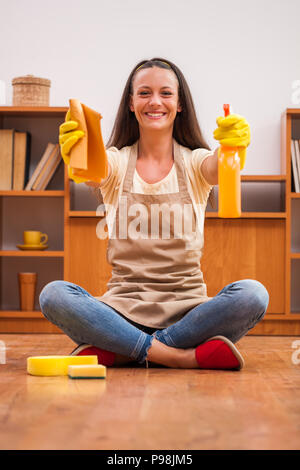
[(56, 365), (87, 157)]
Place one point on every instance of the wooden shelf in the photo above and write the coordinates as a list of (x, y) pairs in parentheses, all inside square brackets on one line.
[(36, 111), (46, 193), (21, 314), (251, 215), (32, 253), (293, 111), (86, 214), (258, 178), (295, 255), (295, 195), (210, 214), (282, 316)]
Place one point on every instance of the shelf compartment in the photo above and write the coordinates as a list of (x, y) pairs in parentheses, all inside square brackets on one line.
[(84, 198), (42, 124), (259, 195), (295, 226), (47, 270), (240, 251), (20, 214), (295, 291)]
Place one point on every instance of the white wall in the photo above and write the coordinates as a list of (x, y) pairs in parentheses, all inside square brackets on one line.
[(244, 53)]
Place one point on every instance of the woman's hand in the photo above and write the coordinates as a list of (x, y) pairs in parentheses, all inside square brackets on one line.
[(68, 137), (234, 131)]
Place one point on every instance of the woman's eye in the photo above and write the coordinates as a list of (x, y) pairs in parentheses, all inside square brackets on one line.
[(147, 92)]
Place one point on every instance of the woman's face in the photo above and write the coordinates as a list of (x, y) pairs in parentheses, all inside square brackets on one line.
[(155, 98)]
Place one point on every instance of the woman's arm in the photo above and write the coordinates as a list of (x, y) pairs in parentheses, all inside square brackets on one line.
[(209, 168)]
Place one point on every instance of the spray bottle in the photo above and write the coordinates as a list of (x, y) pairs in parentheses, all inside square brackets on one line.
[(229, 179)]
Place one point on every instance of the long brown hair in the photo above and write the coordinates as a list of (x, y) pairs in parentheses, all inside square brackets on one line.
[(186, 130)]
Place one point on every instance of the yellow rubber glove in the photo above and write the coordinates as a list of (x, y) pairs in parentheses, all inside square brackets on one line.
[(234, 131), (69, 136)]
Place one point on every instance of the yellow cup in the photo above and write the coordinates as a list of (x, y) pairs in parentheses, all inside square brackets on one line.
[(32, 237)]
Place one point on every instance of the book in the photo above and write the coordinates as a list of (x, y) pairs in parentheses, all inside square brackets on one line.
[(297, 151), (50, 158), (295, 167), (52, 172), (22, 142), (49, 169), (39, 166), (6, 158)]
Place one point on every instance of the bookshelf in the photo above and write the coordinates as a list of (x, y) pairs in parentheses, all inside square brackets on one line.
[(257, 246), (291, 130), (31, 210)]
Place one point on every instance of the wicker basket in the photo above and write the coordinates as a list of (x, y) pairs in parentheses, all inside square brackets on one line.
[(31, 91)]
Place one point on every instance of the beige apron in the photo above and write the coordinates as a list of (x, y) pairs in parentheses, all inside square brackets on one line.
[(155, 256)]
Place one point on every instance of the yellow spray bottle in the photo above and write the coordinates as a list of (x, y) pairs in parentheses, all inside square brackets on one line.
[(229, 180)]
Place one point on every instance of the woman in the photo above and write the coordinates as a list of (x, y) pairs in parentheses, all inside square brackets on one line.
[(160, 176)]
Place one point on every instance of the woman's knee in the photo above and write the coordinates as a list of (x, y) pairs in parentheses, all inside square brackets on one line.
[(50, 293), (256, 293)]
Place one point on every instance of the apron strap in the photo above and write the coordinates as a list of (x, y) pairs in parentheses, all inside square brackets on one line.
[(130, 168)]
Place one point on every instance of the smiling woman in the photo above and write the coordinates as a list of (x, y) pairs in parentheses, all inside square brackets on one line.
[(155, 107), (156, 307), (186, 131)]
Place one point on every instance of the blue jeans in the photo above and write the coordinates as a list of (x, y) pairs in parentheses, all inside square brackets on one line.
[(231, 313)]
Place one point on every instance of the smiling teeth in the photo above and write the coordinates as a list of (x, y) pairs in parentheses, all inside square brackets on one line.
[(155, 114)]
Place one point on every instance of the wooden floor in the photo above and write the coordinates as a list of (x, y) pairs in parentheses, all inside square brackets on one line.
[(155, 408)]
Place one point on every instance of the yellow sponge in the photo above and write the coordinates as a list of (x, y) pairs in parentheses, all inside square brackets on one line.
[(87, 371), (56, 365)]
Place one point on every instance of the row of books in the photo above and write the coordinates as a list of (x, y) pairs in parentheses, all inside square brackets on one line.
[(15, 151), (14, 158), (45, 169), (295, 151)]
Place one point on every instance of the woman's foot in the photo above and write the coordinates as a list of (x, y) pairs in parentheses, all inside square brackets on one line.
[(106, 358), (215, 353), (219, 352), (176, 358)]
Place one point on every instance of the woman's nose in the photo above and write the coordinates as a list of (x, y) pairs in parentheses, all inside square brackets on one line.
[(155, 99)]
